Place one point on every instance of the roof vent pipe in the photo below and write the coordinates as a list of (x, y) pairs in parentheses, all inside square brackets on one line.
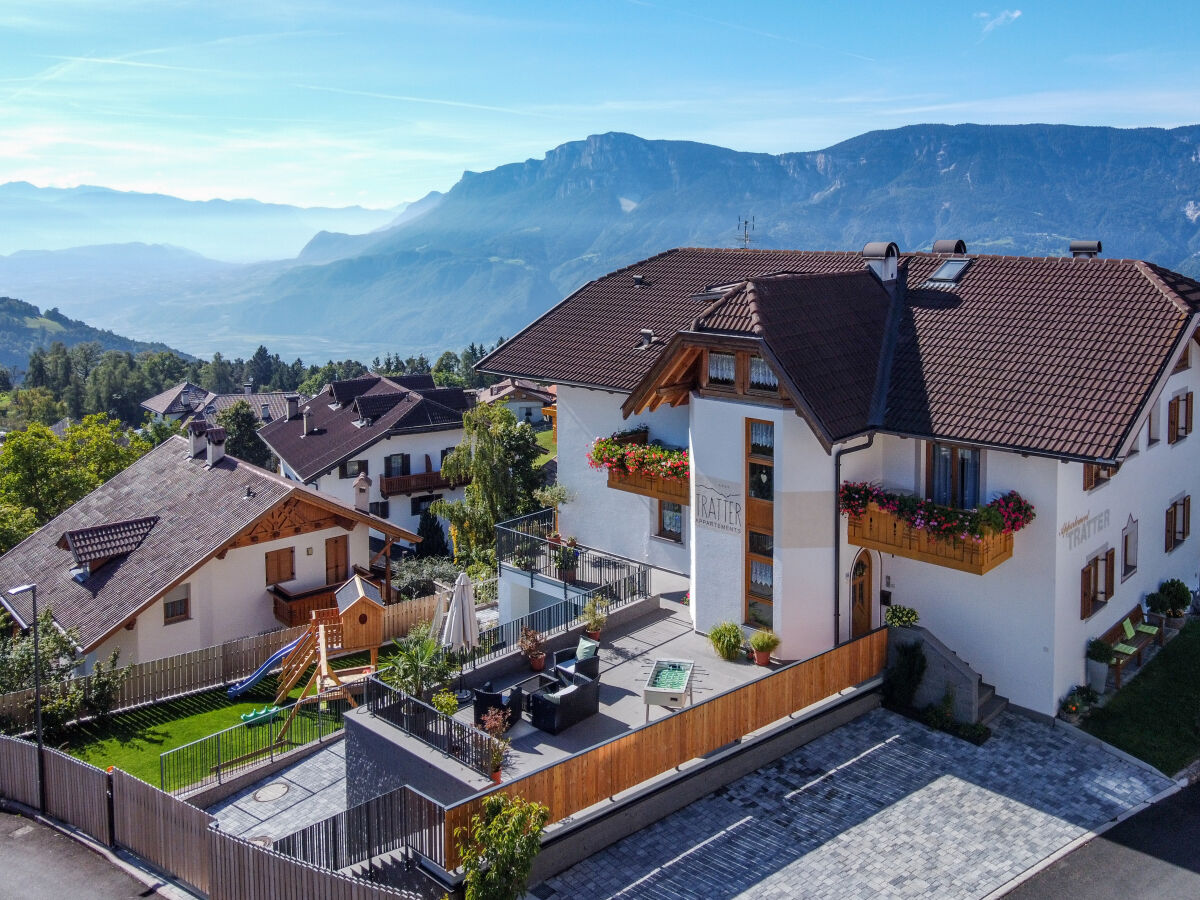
[(882, 258), (304, 433), (1085, 249), (950, 246), (647, 338)]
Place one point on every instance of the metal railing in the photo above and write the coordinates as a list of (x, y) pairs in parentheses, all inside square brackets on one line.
[(212, 759), (402, 818), (456, 739), (524, 543)]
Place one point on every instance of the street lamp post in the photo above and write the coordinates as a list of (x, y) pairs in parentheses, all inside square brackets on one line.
[(37, 689)]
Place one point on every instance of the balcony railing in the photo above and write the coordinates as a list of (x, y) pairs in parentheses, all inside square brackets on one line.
[(879, 530), (294, 609), (673, 490), (410, 484)]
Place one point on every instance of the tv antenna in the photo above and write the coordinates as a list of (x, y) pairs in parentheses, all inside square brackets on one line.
[(745, 226)]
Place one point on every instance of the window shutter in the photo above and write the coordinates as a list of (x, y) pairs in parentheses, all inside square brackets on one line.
[(405, 464), (1089, 476), (1110, 570), (1187, 421), (1170, 528), (1085, 592), (1187, 515), (1173, 421)]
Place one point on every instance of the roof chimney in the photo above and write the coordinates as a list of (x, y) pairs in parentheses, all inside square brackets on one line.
[(882, 258), (265, 412), (1085, 249), (216, 445), (647, 338), (304, 433), (293, 405), (247, 388), (362, 492), (197, 441), (957, 246)]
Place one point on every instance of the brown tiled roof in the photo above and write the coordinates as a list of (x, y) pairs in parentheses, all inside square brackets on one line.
[(1052, 355), (377, 407), (826, 331), (175, 400), (187, 400), (107, 540), (195, 510), (506, 387), (276, 403)]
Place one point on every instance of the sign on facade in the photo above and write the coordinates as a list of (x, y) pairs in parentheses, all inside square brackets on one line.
[(720, 505), (1079, 530)]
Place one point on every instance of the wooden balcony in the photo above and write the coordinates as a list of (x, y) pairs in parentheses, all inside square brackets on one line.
[(390, 485), (673, 490), (879, 530), (294, 609)]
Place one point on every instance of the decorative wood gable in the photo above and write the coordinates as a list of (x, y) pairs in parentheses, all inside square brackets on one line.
[(295, 515)]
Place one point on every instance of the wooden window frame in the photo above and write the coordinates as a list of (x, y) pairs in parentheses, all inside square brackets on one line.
[(360, 468), (721, 385), (1097, 582), (954, 485), (760, 391), (379, 508), (1179, 417), (414, 506), (272, 558), (676, 536), (1184, 362), (760, 527), (405, 463), (1129, 539), (1095, 475), (1178, 523), (186, 600)]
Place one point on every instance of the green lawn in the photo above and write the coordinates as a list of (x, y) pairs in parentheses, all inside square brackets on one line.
[(546, 441), (133, 741), (1156, 717)]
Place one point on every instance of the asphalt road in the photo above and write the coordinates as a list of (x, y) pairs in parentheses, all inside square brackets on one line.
[(1154, 855), (38, 863)]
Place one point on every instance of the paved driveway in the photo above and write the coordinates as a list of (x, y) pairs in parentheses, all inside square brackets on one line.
[(882, 807)]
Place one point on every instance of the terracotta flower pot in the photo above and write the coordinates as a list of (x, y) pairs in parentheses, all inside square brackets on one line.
[(762, 657), (496, 777), (537, 662), (594, 635)]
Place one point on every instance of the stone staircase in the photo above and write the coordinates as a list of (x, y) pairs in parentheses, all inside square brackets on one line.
[(974, 699)]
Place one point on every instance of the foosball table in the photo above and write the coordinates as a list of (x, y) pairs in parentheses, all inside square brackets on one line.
[(669, 683)]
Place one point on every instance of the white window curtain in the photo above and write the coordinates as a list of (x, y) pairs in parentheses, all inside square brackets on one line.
[(721, 368), (762, 438), (761, 578), (761, 375)]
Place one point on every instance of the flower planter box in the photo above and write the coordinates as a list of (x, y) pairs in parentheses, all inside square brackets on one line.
[(634, 437), (673, 490), (876, 529)]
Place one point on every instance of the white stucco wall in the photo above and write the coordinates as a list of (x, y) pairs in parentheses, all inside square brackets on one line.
[(602, 517), (229, 598)]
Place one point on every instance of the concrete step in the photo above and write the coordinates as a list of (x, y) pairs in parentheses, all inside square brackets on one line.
[(986, 692), (994, 706)]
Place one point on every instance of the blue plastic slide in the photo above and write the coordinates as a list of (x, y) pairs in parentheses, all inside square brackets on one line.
[(261, 672)]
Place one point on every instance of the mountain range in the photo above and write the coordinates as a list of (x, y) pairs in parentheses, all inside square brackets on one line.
[(501, 246)]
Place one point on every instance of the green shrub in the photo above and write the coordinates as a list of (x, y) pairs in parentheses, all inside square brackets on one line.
[(498, 849), (445, 702), (902, 680), (1176, 596), (1099, 651), (727, 639), (104, 686), (764, 641), (900, 617)]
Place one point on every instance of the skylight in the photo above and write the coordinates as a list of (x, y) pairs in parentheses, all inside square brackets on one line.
[(949, 271)]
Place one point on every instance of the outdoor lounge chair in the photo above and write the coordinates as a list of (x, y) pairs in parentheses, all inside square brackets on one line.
[(568, 661), (511, 701), (568, 706)]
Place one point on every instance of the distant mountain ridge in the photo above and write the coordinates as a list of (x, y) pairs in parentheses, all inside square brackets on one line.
[(24, 328), (502, 246)]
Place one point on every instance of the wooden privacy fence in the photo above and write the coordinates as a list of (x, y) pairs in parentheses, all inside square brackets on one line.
[(626, 761), (77, 792), (18, 771), (211, 667), (161, 830)]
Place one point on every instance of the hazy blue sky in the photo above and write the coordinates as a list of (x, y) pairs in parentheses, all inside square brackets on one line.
[(315, 102)]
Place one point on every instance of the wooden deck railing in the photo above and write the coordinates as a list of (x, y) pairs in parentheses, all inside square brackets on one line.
[(626, 761), (876, 529), (410, 484), (673, 490)]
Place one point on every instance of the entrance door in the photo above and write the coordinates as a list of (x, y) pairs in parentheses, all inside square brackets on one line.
[(337, 559), (860, 595)]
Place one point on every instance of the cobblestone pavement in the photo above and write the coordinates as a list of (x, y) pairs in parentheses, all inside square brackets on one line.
[(307, 792), (882, 807)]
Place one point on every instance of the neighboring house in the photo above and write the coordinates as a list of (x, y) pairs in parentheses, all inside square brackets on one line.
[(951, 377), (524, 398), (187, 548), (186, 401), (382, 437)]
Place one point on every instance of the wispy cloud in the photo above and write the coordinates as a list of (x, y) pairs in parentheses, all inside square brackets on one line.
[(433, 101), (990, 22), (133, 64)]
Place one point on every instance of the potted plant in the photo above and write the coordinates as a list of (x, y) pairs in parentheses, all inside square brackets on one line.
[(1176, 599), (1099, 655), (495, 723), (726, 638), (1068, 708), (445, 702), (555, 538), (531, 645), (566, 558), (900, 617), (594, 617), (1156, 609), (763, 643)]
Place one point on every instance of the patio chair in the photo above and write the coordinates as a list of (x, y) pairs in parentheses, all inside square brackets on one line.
[(510, 701), (583, 658), (570, 705)]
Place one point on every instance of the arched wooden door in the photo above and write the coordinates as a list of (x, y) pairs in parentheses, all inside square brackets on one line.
[(861, 594)]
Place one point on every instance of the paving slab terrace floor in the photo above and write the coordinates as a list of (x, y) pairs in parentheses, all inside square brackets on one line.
[(881, 807), (306, 792)]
